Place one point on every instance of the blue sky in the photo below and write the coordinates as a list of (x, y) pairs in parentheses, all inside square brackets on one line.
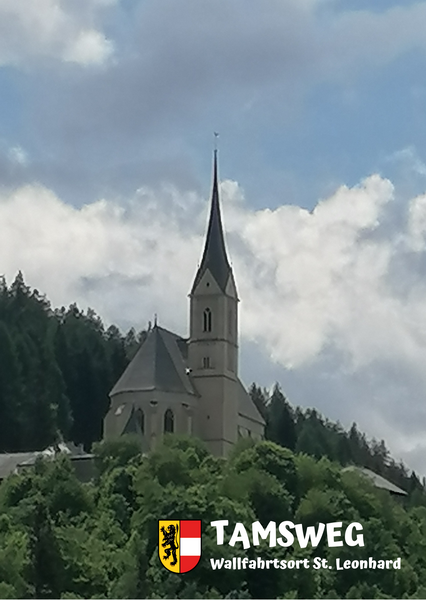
[(107, 113)]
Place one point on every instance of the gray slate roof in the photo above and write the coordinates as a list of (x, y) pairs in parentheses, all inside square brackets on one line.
[(246, 406), (157, 365), (10, 462), (378, 480), (214, 256), (160, 364)]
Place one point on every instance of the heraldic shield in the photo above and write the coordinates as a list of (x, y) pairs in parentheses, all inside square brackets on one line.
[(179, 544)]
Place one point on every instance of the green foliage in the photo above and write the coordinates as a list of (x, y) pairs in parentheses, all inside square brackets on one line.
[(272, 459), (60, 538), (116, 452)]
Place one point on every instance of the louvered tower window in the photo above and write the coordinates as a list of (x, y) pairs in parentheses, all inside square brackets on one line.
[(207, 320)]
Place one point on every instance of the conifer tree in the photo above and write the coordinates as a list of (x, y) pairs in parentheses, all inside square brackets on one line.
[(280, 426), (10, 394)]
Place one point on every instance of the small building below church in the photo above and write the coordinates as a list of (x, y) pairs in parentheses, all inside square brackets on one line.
[(191, 385)]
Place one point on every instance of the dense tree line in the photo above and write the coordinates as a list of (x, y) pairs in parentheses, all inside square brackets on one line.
[(58, 367), (306, 431), (60, 538)]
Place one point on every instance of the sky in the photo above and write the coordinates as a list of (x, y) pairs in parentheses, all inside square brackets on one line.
[(107, 114)]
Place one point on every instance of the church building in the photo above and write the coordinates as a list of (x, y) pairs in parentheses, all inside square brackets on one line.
[(191, 385)]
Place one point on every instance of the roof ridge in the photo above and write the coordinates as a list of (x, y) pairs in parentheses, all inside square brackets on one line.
[(156, 365)]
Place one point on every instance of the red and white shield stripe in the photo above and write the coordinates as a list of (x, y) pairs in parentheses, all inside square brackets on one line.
[(190, 545)]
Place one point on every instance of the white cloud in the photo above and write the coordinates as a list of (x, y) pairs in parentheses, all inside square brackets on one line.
[(88, 47), (47, 28), (313, 272)]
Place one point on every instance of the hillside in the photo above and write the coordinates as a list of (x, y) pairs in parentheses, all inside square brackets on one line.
[(62, 538), (60, 364)]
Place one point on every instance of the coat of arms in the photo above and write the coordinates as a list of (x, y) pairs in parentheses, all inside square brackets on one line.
[(179, 544)]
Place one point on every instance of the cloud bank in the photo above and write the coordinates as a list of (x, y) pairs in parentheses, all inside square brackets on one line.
[(334, 281)]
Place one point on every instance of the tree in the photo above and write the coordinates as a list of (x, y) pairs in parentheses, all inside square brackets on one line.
[(11, 394), (46, 565), (260, 400), (280, 425)]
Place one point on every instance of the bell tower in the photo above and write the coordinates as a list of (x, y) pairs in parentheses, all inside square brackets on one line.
[(213, 343)]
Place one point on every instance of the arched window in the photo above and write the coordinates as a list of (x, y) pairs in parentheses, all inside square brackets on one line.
[(169, 421), (207, 320), (140, 419)]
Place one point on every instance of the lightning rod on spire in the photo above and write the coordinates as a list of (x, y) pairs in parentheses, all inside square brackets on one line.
[(216, 135)]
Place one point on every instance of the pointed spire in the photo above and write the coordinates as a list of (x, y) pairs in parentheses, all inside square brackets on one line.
[(214, 256)]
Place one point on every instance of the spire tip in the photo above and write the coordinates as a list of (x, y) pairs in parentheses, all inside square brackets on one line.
[(216, 135)]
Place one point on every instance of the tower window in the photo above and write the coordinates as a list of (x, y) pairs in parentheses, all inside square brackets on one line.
[(140, 419), (206, 362), (169, 421), (207, 320)]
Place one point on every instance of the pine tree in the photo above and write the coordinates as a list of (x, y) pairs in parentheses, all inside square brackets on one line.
[(11, 394), (280, 426), (260, 400)]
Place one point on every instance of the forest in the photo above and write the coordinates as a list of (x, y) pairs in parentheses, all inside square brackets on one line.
[(61, 538)]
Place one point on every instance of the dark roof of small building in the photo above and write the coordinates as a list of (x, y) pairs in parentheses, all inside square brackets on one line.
[(12, 462), (378, 480), (9, 462), (214, 257), (157, 365)]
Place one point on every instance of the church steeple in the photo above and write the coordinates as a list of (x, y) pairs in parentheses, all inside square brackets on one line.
[(191, 386), (213, 336), (214, 256)]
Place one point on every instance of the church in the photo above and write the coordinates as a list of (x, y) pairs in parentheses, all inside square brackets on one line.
[(191, 385)]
